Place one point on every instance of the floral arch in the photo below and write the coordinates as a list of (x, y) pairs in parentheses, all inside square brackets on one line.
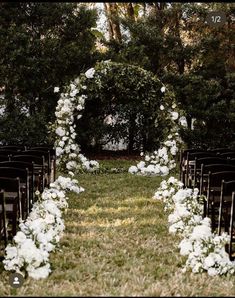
[(40, 233)]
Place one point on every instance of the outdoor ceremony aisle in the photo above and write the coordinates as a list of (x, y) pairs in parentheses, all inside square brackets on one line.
[(116, 243)]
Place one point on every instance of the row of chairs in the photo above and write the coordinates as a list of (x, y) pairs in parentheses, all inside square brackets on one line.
[(22, 172), (189, 161), (213, 173)]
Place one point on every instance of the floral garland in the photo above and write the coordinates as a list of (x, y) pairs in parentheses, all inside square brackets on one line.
[(69, 106), (40, 233), (205, 250), (161, 161)]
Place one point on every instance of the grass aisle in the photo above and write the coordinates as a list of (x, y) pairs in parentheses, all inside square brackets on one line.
[(117, 243)]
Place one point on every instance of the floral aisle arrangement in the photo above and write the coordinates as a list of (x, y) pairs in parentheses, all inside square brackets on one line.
[(205, 250), (166, 191), (162, 161), (40, 233)]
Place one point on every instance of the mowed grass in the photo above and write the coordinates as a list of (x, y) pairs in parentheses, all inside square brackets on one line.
[(116, 243)]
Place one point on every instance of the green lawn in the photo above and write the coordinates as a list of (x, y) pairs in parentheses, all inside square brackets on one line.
[(117, 243)]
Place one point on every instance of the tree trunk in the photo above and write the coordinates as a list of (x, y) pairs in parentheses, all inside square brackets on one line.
[(130, 11), (189, 122), (113, 22)]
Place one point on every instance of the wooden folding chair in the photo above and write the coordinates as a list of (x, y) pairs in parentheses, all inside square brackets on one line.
[(220, 150), (214, 192), (230, 154), (39, 166), (11, 189), (200, 163), (30, 167), (232, 229), (183, 162), (3, 218), (23, 174), (4, 158), (12, 147), (225, 205), (190, 168), (51, 159), (206, 167)]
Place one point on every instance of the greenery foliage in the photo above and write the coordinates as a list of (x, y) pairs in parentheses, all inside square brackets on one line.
[(123, 103), (42, 45), (174, 42)]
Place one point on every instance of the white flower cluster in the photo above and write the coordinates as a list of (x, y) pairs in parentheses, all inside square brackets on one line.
[(187, 211), (205, 250), (70, 103), (160, 162), (166, 191), (40, 233)]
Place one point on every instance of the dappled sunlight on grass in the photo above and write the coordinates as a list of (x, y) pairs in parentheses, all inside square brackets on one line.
[(103, 223), (116, 243)]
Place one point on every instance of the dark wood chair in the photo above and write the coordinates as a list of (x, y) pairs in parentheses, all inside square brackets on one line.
[(48, 160), (228, 154), (231, 161), (190, 168), (206, 168), (4, 158), (51, 159), (39, 166), (220, 150), (227, 188), (12, 195), (3, 218), (23, 175), (213, 194), (30, 167), (201, 162), (183, 162), (12, 147), (232, 229), (46, 156), (6, 152)]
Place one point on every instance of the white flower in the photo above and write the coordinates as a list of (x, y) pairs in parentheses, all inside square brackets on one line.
[(212, 272), (133, 169), (174, 115), (163, 89), (185, 247), (41, 272), (20, 237), (162, 107), (90, 73), (209, 261), (56, 89), (201, 232), (59, 151), (147, 158), (183, 121), (60, 131), (141, 165)]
